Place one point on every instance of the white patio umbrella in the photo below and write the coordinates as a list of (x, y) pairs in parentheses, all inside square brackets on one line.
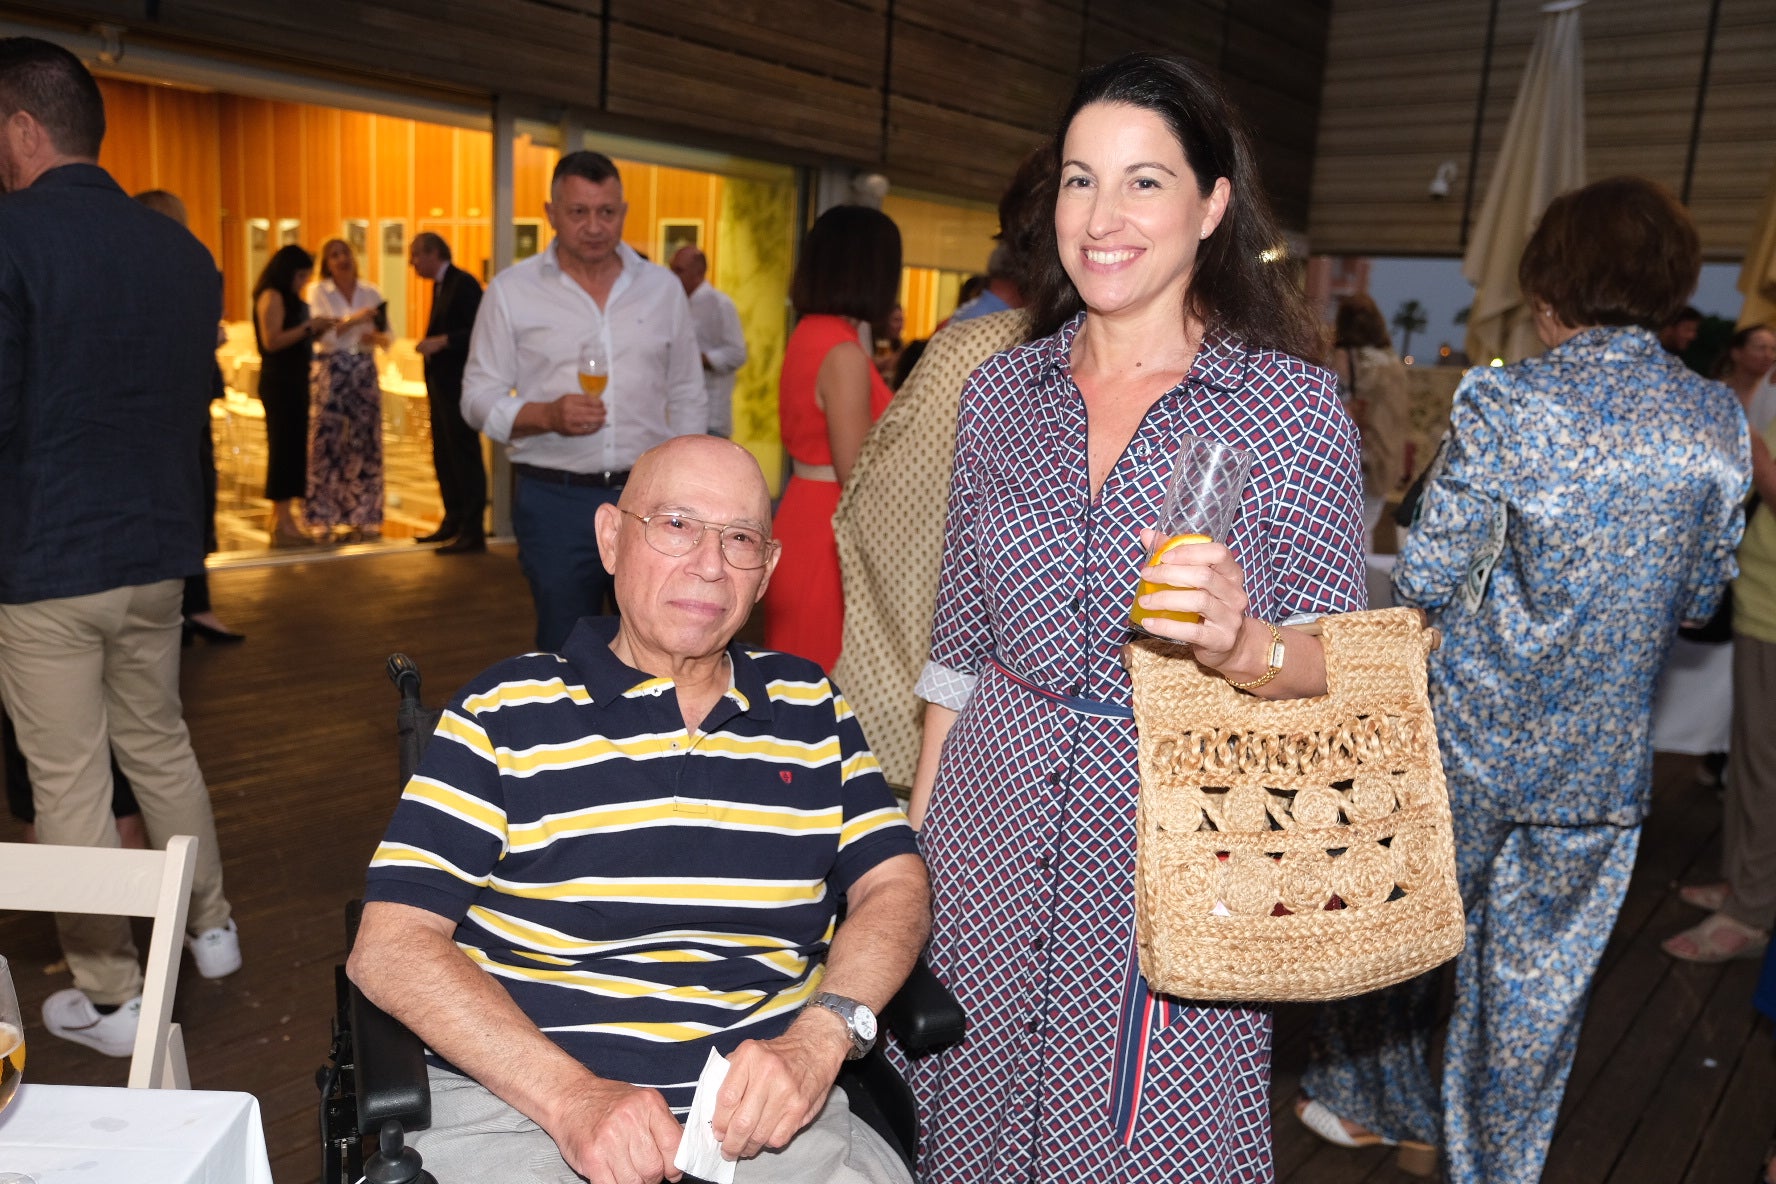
[(1543, 154), (1757, 276)]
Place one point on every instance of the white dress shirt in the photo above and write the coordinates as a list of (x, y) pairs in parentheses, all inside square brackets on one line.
[(724, 345), (328, 301), (534, 322)]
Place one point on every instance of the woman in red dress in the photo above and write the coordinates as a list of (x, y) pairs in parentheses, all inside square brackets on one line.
[(827, 398)]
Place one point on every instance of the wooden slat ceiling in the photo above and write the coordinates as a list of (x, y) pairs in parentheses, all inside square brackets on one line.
[(1403, 79), (944, 96)]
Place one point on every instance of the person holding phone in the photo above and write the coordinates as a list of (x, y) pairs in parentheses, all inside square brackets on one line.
[(344, 489)]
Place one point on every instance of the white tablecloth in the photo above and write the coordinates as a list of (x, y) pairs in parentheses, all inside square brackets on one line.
[(1693, 711), (69, 1134)]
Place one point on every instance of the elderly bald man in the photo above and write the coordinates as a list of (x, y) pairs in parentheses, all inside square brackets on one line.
[(617, 858)]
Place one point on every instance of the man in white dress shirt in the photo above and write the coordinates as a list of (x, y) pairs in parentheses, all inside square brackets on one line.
[(571, 452), (718, 335)]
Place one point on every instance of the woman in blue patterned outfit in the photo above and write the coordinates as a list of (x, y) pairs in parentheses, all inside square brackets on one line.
[(1155, 319), (1584, 504)]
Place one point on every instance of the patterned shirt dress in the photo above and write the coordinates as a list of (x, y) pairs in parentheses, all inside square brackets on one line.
[(1030, 834)]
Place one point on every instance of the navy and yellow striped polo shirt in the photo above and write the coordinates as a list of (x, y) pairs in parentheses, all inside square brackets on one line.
[(643, 893)]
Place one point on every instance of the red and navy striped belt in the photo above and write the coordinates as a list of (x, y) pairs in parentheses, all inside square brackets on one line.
[(1072, 702)]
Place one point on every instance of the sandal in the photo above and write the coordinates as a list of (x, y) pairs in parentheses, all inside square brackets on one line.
[(1417, 1159), (1710, 898), (1718, 939)]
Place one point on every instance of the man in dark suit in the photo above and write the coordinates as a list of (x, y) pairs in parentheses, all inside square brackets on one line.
[(456, 447), (108, 315)]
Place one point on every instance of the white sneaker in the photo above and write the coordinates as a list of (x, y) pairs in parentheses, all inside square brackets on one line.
[(71, 1015), (216, 952)]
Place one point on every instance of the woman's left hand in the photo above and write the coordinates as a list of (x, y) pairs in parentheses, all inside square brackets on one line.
[(1200, 578)]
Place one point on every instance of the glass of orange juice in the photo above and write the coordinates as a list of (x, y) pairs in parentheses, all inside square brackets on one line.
[(1202, 496)]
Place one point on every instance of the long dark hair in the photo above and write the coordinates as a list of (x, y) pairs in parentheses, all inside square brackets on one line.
[(281, 271), (1240, 286)]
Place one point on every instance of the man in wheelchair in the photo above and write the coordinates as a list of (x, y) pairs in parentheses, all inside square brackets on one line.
[(614, 859)]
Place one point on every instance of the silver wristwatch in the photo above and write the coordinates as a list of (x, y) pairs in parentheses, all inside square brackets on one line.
[(860, 1021)]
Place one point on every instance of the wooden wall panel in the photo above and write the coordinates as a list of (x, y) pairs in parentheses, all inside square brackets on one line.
[(237, 285), (1402, 81), (434, 171), (1046, 33), (933, 66), (662, 80), (286, 158), (530, 189), (128, 147), (474, 45), (1190, 27), (943, 95), (941, 150), (834, 40), (322, 210), (162, 138), (356, 185)]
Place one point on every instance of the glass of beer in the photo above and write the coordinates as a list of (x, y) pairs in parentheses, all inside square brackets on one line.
[(12, 1038), (594, 371), (1201, 499)]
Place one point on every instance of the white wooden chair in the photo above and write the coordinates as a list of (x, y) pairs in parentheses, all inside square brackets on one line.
[(121, 883)]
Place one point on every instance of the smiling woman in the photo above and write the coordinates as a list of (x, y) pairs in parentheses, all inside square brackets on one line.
[(1155, 318)]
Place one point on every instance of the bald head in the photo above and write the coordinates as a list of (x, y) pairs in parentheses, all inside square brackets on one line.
[(684, 605), (691, 266), (162, 202), (709, 462)]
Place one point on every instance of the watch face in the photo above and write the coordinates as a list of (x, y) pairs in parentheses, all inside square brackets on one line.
[(865, 1022)]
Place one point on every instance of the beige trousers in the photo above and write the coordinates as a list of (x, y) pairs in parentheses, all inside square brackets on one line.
[(476, 1136), (1748, 823), (84, 677)]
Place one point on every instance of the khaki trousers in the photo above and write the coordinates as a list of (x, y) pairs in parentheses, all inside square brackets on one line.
[(83, 678), (476, 1136), (1748, 822)]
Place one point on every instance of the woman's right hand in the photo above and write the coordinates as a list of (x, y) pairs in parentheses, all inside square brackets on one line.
[(323, 324)]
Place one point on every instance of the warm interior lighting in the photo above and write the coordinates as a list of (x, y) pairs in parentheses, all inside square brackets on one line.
[(1498, 362), (1407, 359), (1272, 254)]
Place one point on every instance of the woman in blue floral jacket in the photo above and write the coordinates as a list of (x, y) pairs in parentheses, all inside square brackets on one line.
[(1584, 504)]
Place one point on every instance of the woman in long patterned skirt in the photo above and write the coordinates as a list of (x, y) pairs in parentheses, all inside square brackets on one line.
[(345, 402), (1154, 318)]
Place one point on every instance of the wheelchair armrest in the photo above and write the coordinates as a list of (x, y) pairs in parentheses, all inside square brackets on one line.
[(923, 1015), (390, 1065), (388, 1059)]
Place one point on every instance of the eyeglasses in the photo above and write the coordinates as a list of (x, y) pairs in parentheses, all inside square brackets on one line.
[(679, 534)]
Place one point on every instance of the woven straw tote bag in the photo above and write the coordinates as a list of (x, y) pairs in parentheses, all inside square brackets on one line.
[(1297, 849)]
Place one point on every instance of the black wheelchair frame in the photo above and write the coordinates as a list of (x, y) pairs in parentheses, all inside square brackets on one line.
[(373, 1086)]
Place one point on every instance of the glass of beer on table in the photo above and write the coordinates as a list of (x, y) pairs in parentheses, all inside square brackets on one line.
[(1201, 499), (12, 1038), (594, 371)]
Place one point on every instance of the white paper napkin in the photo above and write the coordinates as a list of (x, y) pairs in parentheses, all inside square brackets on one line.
[(699, 1151)]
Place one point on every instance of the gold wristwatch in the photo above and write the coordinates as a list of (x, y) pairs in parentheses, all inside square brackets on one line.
[(1274, 661)]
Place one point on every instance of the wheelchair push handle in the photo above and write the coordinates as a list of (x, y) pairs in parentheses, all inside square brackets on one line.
[(404, 673)]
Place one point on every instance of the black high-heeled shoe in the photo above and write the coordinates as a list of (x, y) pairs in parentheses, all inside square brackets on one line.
[(211, 634)]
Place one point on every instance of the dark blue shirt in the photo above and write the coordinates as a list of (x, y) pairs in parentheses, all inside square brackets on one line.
[(108, 314)]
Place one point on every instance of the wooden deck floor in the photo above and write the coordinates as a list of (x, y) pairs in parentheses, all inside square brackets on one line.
[(1674, 1083)]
